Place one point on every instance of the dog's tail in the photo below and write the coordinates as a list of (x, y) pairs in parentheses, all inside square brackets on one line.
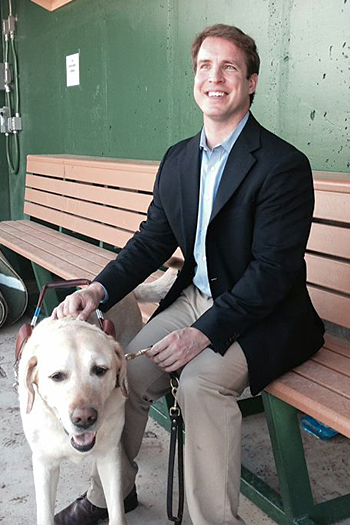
[(154, 291)]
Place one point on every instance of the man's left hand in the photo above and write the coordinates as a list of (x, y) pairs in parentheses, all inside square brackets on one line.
[(178, 348)]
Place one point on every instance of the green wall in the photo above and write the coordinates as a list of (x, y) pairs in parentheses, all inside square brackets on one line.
[(135, 93)]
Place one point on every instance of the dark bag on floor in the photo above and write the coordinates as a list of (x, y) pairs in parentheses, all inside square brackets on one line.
[(13, 293)]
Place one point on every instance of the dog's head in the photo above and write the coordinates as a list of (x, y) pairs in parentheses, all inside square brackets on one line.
[(74, 368)]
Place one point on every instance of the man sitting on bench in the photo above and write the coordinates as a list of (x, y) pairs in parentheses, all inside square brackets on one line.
[(238, 201)]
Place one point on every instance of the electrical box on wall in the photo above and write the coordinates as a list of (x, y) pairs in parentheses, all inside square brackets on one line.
[(2, 76)]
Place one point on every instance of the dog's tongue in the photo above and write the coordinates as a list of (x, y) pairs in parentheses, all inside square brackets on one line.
[(84, 439)]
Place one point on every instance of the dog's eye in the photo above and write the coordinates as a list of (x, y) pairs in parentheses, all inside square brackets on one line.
[(58, 376), (99, 370)]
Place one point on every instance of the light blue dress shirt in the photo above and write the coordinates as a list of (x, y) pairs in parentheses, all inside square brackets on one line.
[(212, 167)]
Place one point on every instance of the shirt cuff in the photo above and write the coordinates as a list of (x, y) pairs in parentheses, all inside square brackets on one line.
[(105, 297)]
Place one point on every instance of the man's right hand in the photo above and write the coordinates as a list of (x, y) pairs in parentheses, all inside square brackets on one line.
[(80, 303)]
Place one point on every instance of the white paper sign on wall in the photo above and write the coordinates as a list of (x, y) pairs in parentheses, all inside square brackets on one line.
[(72, 68)]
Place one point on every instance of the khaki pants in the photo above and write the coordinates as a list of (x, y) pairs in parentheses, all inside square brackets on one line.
[(207, 395)]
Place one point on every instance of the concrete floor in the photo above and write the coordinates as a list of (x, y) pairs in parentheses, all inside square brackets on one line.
[(329, 463)]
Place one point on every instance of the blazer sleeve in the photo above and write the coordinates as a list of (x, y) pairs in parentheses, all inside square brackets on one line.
[(151, 246), (283, 214)]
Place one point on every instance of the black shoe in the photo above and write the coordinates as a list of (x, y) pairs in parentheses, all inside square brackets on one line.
[(83, 512), (131, 501)]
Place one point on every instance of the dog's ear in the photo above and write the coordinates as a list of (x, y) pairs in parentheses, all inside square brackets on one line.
[(30, 380), (122, 377)]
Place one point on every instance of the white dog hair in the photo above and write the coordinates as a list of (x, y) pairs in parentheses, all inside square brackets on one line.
[(72, 391)]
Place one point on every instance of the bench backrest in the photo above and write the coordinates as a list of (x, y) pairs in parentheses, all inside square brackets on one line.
[(103, 199), (328, 253), (106, 200)]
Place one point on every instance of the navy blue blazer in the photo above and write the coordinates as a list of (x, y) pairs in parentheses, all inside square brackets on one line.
[(255, 246)]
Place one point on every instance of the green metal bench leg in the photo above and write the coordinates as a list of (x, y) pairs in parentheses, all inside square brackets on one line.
[(297, 500), (289, 456), (159, 411), (43, 276)]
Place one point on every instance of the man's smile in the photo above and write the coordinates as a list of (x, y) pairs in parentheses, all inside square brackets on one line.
[(216, 94)]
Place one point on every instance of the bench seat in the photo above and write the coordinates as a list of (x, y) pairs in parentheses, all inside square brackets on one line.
[(321, 386), (61, 254)]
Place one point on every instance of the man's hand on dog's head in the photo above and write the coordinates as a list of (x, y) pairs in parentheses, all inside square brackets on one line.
[(81, 303)]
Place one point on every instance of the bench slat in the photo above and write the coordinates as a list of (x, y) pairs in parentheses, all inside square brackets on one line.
[(326, 377), (332, 181), (86, 210), (333, 360), (332, 206), (340, 346), (131, 200), (331, 307), (332, 240), (328, 273), (45, 166), (118, 176), (105, 233), (36, 161)]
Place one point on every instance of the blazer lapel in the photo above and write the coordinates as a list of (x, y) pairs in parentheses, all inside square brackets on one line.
[(238, 165), (189, 168)]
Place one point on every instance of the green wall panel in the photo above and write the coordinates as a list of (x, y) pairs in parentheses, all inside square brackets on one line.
[(314, 82), (135, 94)]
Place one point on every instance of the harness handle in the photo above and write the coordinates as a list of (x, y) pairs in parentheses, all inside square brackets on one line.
[(56, 284), (26, 330)]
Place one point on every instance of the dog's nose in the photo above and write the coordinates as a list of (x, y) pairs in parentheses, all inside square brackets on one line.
[(84, 417)]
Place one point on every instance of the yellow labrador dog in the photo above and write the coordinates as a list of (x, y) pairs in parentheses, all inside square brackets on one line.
[(72, 390)]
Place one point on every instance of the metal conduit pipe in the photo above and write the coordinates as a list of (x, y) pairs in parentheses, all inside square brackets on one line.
[(11, 122)]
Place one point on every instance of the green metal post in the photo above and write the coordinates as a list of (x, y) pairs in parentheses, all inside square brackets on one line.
[(289, 458)]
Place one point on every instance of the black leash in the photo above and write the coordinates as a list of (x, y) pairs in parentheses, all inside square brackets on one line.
[(175, 435)]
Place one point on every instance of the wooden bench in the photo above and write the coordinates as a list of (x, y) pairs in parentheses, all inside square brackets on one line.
[(84, 209)]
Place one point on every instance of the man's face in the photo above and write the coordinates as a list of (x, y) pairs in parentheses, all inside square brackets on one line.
[(221, 86)]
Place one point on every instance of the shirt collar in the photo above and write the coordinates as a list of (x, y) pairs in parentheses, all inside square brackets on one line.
[(229, 141)]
